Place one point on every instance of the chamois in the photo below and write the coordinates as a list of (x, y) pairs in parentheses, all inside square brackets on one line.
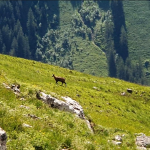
[(59, 79)]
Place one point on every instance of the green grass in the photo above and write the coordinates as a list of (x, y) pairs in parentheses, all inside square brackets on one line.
[(111, 113), (90, 59)]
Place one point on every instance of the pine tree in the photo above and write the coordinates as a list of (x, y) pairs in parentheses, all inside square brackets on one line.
[(14, 47), (4, 49), (20, 40), (31, 27), (6, 34), (112, 64), (120, 69), (123, 44), (17, 28), (26, 48), (1, 41)]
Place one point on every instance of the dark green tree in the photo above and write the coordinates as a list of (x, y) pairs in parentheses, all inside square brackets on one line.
[(4, 49), (123, 44), (112, 64), (26, 48), (6, 34), (120, 68), (31, 27), (1, 41), (14, 47), (23, 45)]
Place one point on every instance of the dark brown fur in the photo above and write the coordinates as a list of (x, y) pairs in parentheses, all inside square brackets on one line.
[(62, 80)]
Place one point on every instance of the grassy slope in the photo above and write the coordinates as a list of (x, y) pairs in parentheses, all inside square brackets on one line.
[(112, 113), (138, 28)]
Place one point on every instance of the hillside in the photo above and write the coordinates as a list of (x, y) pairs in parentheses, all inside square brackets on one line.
[(138, 30), (101, 38), (111, 112)]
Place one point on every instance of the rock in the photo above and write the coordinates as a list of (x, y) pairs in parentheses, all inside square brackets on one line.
[(116, 143), (68, 105), (14, 88), (118, 138), (33, 116), (96, 88), (74, 107), (26, 125), (22, 106), (22, 99), (123, 93), (3, 138), (141, 148), (129, 90), (6, 86), (143, 141)]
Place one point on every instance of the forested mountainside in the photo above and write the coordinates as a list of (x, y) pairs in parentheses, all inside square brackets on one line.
[(93, 37)]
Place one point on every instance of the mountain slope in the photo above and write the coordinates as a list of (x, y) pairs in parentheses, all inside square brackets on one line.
[(110, 112), (138, 28), (138, 32), (101, 38)]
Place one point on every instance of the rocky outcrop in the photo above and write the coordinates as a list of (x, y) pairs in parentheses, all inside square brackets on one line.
[(68, 105), (3, 138), (14, 87)]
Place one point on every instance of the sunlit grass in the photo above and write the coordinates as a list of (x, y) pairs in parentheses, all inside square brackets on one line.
[(100, 98)]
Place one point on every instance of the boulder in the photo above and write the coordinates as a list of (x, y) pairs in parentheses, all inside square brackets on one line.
[(143, 141), (3, 138), (68, 104), (129, 90)]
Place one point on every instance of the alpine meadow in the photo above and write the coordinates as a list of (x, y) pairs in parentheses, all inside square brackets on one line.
[(96, 53)]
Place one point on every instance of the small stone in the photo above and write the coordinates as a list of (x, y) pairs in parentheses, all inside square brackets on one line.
[(116, 143), (118, 138), (26, 125), (123, 93), (22, 99), (129, 90), (22, 106)]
